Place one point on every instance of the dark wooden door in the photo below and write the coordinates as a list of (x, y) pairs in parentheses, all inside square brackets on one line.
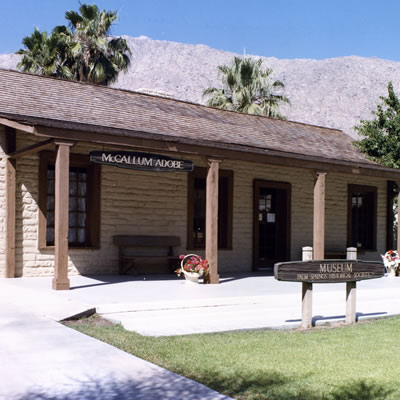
[(271, 223)]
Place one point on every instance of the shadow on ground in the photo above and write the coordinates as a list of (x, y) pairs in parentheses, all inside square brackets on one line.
[(265, 386), (277, 387), (362, 390), (150, 388), (104, 280), (317, 318)]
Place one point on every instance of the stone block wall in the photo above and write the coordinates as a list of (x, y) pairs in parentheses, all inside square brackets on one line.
[(147, 203)]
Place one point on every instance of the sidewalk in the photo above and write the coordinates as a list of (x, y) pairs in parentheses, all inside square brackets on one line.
[(170, 306), (42, 359), (46, 360)]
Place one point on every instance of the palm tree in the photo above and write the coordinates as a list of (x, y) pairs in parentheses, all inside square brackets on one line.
[(97, 59), (44, 55), (83, 52), (247, 89)]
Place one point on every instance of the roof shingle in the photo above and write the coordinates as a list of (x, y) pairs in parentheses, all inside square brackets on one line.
[(32, 96)]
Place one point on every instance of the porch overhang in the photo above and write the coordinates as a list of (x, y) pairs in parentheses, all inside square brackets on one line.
[(72, 131)]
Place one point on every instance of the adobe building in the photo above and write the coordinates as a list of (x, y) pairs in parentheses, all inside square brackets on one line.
[(260, 188)]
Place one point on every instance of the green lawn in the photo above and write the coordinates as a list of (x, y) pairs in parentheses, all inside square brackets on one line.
[(356, 362)]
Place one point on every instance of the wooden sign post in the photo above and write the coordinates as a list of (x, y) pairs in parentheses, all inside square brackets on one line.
[(328, 271), (306, 294), (351, 291)]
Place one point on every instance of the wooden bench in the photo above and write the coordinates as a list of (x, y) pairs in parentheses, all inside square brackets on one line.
[(335, 255), (138, 247)]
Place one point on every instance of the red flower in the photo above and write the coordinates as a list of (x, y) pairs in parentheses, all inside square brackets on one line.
[(192, 263)]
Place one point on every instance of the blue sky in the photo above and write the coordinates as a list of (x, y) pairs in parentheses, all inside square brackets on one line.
[(281, 28)]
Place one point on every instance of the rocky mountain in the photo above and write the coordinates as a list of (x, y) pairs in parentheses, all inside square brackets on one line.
[(335, 92)]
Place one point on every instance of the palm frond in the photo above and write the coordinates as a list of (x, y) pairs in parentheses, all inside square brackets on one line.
[(83, 51), (247, 88), (73, 18)]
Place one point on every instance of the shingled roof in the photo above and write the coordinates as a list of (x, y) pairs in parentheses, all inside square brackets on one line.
[(54, 102)]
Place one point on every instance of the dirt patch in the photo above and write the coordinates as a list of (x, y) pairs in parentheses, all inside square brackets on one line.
[(335, 325), (94, 320)]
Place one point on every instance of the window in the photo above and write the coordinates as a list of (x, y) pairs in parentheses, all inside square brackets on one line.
[(196, 224), (362, 217), (84, 201)]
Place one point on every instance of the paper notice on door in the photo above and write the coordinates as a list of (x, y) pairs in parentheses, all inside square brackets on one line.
[(270, 217)]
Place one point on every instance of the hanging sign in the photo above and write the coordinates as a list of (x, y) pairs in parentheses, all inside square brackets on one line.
[(141, 161), (328, 271)]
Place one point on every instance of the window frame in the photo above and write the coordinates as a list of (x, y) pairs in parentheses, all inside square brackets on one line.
[(201, 172), (362, 189), (47, 158)]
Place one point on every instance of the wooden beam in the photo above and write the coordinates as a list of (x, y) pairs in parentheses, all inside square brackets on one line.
[(17, 125), (219, 151), (10, 218), (319, 217), (212, 219), (34, 148), (61, 281)]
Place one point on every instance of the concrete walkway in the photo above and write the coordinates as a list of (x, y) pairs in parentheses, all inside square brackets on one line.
[(42, 359), (170, 306)]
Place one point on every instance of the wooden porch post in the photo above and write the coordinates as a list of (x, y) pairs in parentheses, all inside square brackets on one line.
[(212, 219), (60, 280), (8, 143), (319, 217), (10, 217), (318, 246)]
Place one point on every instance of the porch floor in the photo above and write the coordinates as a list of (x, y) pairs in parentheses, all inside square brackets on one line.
[(167, 305)]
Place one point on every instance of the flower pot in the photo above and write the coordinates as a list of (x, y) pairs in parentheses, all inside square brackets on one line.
[(391, 261), (191, 277), (192, 267)]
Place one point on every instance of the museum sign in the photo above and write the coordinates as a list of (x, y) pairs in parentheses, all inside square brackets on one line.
[(328, 271)]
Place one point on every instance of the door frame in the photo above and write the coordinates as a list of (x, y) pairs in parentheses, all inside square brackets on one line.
[(257, 184)]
